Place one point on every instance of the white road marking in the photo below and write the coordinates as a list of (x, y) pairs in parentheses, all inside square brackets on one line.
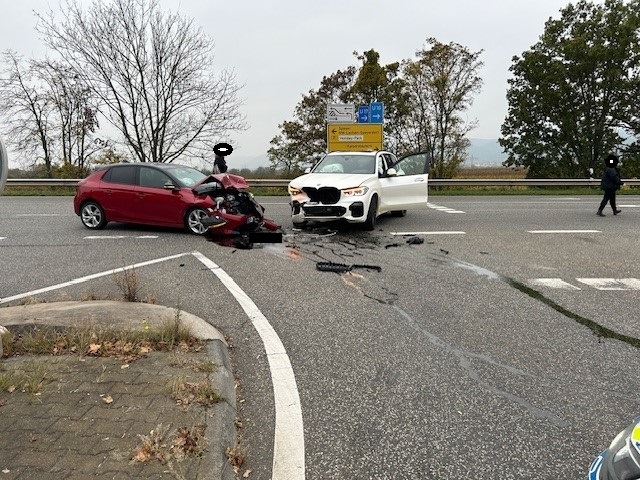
[(41, 215), (443, 209), (612, 283), (102, 237), (553, 283), (288, 447), (629, 206), (564, 231), (429, 233), (3, 238), (87, 278)]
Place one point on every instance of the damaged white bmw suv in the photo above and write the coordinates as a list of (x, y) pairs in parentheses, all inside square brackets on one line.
[(357, 187)]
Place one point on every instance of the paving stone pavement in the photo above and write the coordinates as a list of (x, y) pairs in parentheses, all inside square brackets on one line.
[(92, 415)]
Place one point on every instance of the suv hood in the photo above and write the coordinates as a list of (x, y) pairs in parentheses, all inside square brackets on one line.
[(337, 180)]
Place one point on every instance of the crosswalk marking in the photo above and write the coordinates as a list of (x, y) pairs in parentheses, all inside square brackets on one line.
[(604, 284), (554, 283), (611, 283), (443, 209)]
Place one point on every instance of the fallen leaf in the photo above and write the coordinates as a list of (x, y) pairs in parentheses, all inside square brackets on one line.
[(108, 400), (11, 388), (6, 470), (93, 348), (122, 367), (247, 473), (144, 350)]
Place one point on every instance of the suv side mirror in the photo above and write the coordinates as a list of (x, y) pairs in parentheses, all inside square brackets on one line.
[(391, 172), (307, 170)]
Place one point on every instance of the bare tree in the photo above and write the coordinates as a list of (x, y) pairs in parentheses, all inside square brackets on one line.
[(27, 110), (76, 112), (152, 72)]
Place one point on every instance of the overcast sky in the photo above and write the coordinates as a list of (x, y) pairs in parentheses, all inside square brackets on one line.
[(280, 49)]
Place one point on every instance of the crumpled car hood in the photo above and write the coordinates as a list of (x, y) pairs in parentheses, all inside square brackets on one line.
[(227, 180), (337, 180)]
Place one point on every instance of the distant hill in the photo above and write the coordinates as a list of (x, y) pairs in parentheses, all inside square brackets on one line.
[(485, 152), (482, 152)]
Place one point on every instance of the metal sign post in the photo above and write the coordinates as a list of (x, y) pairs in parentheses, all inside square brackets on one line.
[(4, 165)]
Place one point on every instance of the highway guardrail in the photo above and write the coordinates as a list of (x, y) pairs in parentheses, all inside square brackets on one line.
[(449, 182)]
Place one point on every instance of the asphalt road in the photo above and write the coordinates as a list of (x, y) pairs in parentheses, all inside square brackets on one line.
[(467, 356)]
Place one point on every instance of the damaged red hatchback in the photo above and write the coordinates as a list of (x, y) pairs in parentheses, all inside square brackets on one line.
[(169, 195)]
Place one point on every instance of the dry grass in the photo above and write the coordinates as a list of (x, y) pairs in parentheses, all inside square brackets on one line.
[(95, 341)]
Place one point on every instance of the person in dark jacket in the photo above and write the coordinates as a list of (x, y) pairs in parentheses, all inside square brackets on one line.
[(610, 183), (219, 164)]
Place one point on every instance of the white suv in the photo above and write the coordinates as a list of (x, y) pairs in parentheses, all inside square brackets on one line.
[(358, 187)]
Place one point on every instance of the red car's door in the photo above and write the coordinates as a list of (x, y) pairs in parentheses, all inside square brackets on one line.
[(156, 204), (117, 194)]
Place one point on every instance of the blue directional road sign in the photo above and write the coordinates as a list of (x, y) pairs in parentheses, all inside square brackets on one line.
[(363, 114), (376, 112)]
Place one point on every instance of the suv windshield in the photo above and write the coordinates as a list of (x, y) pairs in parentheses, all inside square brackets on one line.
[(345, 163)]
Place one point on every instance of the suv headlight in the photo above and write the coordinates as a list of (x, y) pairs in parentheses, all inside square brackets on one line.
[(355, 192), (293, 190)]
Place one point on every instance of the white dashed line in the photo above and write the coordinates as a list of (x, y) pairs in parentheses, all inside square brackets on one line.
[(443, 209), (429, 233), (103, 237), (564, 231)]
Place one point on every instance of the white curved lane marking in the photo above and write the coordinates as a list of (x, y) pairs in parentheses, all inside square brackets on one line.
[(288, 445), (288, 448)]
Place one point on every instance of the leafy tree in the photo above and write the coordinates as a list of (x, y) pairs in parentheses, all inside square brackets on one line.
[(439, 86), (303, 140), (569, 94), (151, 71), (423, 102)]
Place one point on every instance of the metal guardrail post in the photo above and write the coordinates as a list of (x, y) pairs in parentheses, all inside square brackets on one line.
[(4, 165)]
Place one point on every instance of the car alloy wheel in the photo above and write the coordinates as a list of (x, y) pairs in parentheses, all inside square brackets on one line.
[(194, 221), (92, 216)]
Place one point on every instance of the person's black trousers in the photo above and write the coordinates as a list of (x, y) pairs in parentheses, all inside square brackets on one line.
[(609, 196)]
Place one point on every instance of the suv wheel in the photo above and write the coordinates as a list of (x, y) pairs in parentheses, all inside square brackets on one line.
[(372, 213)]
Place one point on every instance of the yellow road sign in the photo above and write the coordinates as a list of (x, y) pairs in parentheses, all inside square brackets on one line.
[(354, 136)]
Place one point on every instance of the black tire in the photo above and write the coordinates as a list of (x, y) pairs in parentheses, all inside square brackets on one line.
[(398, 213), (193, 221), (300, 225), (372, 214), (92, 216)]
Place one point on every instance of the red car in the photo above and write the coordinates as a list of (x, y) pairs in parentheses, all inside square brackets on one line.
[(169, 195)]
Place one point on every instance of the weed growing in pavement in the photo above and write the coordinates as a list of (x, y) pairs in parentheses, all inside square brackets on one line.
[(127, 283), (95, 341), (159, 444), (186, 393), (29, 380)]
